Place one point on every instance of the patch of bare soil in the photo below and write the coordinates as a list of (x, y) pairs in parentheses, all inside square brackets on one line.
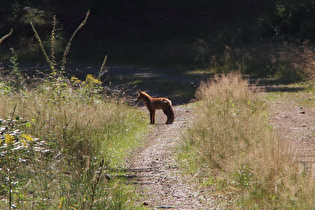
[(297, 125), (158, 179)]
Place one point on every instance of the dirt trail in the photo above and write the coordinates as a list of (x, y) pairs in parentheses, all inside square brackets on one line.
[(158, 179), (296, 124)]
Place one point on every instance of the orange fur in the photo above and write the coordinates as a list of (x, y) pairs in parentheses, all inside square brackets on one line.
[(157, 103)]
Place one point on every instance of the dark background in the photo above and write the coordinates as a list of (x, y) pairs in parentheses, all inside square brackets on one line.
[(153, 32)]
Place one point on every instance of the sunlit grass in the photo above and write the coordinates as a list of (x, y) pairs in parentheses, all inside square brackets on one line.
[(81, 135), (232, 148), (302, 94)]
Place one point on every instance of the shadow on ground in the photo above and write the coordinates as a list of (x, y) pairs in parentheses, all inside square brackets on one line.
[(177, 84), (172, 83), (272, 85)]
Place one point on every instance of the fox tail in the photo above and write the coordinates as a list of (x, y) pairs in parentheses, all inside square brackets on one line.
[(169, 112)]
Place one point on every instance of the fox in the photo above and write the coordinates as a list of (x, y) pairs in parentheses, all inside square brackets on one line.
[(157, 103)]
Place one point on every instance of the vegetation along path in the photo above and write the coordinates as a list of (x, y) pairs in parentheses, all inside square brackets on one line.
[(161, 183), (158, 179)]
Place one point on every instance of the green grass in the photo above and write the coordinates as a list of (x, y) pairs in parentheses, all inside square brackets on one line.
[(76, 136), (232, 148)]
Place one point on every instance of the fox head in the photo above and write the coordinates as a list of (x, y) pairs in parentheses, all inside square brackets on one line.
[(142, 96)]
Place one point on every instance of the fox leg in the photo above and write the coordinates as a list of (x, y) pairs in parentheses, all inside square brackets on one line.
[(152, 116)]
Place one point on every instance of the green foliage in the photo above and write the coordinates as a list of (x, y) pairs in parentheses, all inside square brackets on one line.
[(286, 74), (283, 63), (16, 80), (291, 19), (4, 88)]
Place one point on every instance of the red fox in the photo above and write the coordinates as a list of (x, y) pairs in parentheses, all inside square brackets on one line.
[(157, 103)]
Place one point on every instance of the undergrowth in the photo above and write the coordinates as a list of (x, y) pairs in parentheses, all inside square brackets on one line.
[(232, 147), (282, 62), (60, 143), (62, 140)]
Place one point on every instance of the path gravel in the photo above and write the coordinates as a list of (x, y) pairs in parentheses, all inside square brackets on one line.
[(296, 124), (158, 180)]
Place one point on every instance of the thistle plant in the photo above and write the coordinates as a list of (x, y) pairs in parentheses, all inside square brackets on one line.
[(51, 60)]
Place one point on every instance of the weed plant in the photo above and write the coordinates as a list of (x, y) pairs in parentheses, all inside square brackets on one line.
[(232, 147), (51, 59), (60, 143), (63, 141)]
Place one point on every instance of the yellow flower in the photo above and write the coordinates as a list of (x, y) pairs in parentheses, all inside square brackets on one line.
[(27, 137), (9, 139), (75, 80), (23, 142), (92, 80)]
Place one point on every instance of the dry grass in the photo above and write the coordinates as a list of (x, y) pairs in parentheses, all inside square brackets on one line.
[(302, 59), (80, 137), (237, 151), (62, 142)]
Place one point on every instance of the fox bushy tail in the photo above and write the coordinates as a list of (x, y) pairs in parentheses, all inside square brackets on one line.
[(169, 112)]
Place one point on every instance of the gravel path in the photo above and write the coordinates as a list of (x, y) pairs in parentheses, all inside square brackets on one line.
[(158, 179), (297, 124)]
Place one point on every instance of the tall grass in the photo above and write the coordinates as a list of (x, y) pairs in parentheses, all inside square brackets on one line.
[(62, 141), (232, 146), (59, 146)]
